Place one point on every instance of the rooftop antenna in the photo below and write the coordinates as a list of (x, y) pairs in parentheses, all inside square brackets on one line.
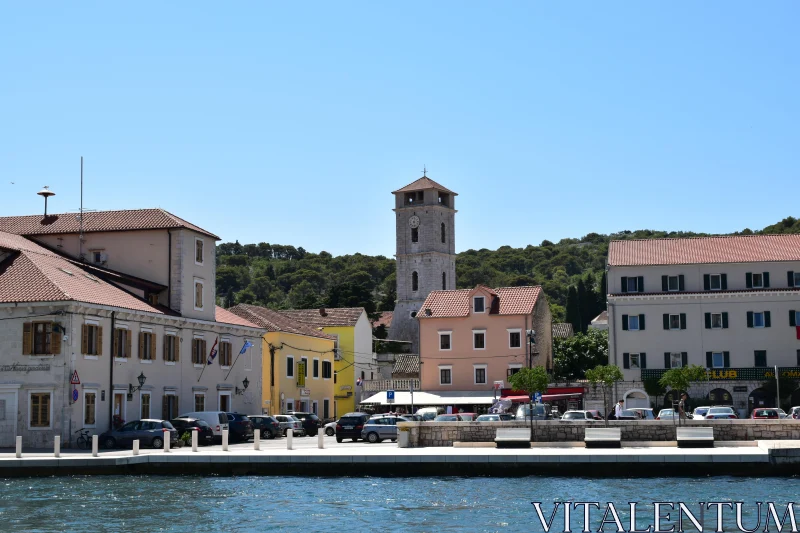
[(424, 171), (46, 192), (80, 218)]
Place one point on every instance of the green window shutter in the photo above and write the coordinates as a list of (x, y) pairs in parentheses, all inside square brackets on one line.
[(640, 283), (708, 320), (681, 283), (706, 282), (626, 360), (727, 357), (748, 280), (792, 318), (624, 282), (683, 320), (641, 322), (666, 321), (766, 279), (790, 279), (749, 319), (684, 359), (624, 322), (725, 320), (767, 320), (798, 357), (709, 360), (724, 281), (643, 360), (667, 360), (664, 283)]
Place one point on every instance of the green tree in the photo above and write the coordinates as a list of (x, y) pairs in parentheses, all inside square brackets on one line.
[(579, 353), (680, 379), (604, 376), (653, 387), (573, 310), (530, 380)]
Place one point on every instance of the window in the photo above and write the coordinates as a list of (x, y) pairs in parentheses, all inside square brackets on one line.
[(315, 369), (444, 340), (171, 345), (716, 320), (147, 345), (794, 318), (224, 401), (89, 407), (198, 351), (514, 338), (758, 320), (39, 410), (315, 407), (198, 251), (444, 233), (289, 366), (225, 355), (760, 358), (41, 338), (479, 339), (326, 408), (758, 280), (145, 403), (198, 295), (513, 369), (122, 343), (98, 256), (444, 281), (674, 321), (796, 276), (718, 359), (445, 375), (414, 281), (91, 339), (290, 405), (633, 322), (635, 360), (716, 282), (632, 285), (199, 402), (414, 234), (478, 304), (327, 370), (304, 361), (672, 283), (480, 374), (676, 360)]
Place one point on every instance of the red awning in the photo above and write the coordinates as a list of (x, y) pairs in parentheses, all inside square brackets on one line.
[(545, 397)]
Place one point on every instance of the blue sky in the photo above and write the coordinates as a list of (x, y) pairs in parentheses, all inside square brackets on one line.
[(292, 123)]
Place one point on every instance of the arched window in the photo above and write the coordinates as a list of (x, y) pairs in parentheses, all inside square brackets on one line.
[(414, 281), (444, 281), (444, 233)]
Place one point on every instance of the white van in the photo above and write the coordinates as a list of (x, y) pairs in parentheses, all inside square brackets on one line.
[(429, 413), (218, 420)]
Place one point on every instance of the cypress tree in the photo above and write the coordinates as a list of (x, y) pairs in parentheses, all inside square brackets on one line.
[(572, 311)]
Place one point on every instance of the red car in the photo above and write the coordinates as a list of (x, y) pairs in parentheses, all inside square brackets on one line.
[(595, 414), (762, 414)]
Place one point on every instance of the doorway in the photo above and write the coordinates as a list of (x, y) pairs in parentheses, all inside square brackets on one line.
[(120, 405), (225, 401)]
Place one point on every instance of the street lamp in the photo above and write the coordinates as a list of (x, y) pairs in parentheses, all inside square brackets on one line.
[(142, 378), (246, 384)]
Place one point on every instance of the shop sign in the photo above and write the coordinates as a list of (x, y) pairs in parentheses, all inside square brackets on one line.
[(739, 388), (16, 367), (735, 374), (305, 392), (346, 387)]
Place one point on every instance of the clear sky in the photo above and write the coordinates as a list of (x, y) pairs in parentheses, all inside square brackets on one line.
[(292, 122)]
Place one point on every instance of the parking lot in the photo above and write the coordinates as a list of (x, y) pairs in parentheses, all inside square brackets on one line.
[(301, 443)]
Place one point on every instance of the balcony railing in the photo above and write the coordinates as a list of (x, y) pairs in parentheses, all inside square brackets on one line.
[(734, 374), (378, 385)]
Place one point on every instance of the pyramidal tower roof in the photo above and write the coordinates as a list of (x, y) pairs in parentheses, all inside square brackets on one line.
[(423, 184)]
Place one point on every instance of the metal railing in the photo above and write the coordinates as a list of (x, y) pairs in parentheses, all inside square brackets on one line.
[(378, 385)]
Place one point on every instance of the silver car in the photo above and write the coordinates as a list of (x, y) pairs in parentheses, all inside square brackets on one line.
[(289, 422), (377, 429)]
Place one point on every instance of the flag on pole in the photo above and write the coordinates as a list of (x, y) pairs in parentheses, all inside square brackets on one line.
[(247, 344), (213, 353)]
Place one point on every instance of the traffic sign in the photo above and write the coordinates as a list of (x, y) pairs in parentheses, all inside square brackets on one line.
[(74, 395), (75, 380), (537, 397), (390, 396)]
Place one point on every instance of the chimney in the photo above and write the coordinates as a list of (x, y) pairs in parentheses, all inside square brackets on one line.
[(322, 312)]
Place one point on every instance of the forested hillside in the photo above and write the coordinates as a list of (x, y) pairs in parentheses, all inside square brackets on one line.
[(570, 271)]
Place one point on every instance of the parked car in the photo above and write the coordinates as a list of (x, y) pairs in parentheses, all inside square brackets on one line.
[(218, 420), (378, 429), (597, 415), (699, 413), (429, 413), (240, 428), (468, 417), (350, 426), (541, 411), (311, 422), (413, 418), (720, 413), (577, 415), (781, 412), (489, 418), (644, 413), (447, 418), (667, 414), (795, 412), (767, 413), (330, 429), (626, 414), (269, 427), (288, 422), (205, 435), (149, 432)]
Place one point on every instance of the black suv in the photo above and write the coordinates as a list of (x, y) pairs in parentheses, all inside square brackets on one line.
[(240, 427), (205, 435), (267, 425), (350, 426), (311, 422)]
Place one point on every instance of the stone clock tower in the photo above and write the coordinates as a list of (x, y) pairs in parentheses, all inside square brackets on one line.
[(426, 253)]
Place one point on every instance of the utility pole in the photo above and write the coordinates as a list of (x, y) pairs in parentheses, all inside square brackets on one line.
[(777, 388)]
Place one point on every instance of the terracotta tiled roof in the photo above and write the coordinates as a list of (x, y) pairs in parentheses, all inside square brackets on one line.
[(97, 221), (338, 316), (727, 249), (562, 330), (384, 320), (226, 317), (276, 321), (422, 184), (31, 273), (406, 365), (510, 301)]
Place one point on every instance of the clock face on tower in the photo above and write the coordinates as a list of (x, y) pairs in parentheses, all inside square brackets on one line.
[(414, 221)]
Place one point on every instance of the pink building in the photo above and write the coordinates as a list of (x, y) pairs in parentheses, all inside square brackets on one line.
[(471, 338)]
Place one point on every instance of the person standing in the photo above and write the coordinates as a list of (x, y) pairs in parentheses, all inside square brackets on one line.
[(618, 410), (682, 406)]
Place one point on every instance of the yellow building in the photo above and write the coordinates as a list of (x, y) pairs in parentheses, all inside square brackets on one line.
[(353, 332), (298, 364)]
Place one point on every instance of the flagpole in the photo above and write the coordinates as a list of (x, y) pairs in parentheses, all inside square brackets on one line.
[(207, 363), (237, 358)]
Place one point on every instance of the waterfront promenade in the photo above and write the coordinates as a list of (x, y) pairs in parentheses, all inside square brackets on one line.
[(644, 459)]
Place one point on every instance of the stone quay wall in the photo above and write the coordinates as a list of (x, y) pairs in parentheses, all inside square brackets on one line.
[(429, 434)]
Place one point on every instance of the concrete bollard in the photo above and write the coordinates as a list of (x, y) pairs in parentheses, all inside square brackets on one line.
[(136, 447), (321, 440), (19, 447), (195, 433), (94, 445), (167, 439), (256, 440), (224, 440), (289, 437), (57, 446)]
